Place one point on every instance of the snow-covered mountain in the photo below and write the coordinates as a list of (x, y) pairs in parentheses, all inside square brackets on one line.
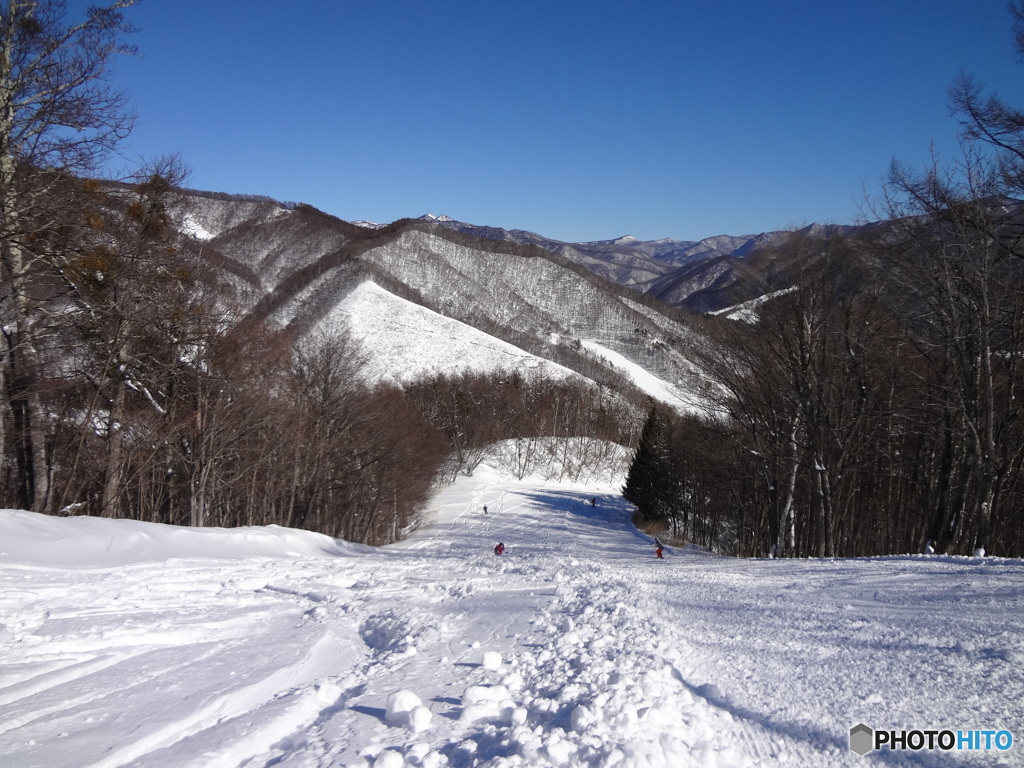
[(702, 276), (426, 297), (624, 260)]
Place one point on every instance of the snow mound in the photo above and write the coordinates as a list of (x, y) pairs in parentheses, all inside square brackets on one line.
[(34, 539)]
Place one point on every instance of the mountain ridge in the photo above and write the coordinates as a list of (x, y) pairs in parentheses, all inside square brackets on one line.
[(296, 268), (700, 275)]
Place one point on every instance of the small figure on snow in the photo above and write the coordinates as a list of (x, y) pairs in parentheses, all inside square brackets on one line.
[(593, 501), (499, 549), (485, 509), (658, 548)]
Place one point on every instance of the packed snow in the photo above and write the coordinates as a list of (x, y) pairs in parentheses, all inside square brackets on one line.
[(747, 311), (133, 644)]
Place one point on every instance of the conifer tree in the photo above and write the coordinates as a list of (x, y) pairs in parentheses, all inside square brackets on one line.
[(651, 481)]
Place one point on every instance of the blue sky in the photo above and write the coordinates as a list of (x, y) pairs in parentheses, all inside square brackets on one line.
[(576, 120)]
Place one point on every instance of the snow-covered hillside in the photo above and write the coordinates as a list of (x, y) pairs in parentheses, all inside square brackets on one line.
[(131, 644), (410, 342), (406, 287)]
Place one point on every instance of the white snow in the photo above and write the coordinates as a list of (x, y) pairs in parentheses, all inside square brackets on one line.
[(191, 226), (746, 311), (133, 644), (646, 381), (411, 342)]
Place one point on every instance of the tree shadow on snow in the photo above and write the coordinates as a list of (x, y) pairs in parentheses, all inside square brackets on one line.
[(605, 524), (607, 511)]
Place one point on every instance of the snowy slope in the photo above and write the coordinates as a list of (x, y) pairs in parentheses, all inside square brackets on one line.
[(126, 644), (411, 342), (645, 380), (497, 306)]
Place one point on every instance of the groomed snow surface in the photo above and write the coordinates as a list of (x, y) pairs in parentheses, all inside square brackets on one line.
[(126, 644)]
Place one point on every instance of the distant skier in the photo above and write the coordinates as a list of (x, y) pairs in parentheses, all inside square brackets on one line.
[(593, 501), (658, 548), (485, 509), (499, 549)]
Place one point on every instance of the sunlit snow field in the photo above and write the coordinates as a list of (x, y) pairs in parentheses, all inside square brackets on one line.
[(131, 644)]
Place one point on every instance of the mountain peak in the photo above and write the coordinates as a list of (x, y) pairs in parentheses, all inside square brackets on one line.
[(432, 217)]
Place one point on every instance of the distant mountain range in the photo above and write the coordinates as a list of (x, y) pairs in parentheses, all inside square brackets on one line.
[(703, 276)]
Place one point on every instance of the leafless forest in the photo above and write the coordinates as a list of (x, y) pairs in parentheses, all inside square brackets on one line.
[(872, 406)]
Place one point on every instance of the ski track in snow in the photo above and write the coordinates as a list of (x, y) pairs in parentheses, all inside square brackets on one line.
[(574, 648)]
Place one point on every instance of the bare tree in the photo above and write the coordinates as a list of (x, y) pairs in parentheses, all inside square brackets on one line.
[(58, 116), (323, 396), (959, 254)]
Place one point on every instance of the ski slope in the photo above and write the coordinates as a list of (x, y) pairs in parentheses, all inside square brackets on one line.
[(132, 644)]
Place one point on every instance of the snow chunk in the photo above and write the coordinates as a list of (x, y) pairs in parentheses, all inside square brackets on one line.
[(328, 692), (419, 719), (513, 681), (486, 703), (582, 717), (389, 758), (477, 693), (406, 710), (492, 660)]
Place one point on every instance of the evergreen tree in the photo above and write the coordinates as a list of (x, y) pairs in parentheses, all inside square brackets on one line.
[(651, 483)]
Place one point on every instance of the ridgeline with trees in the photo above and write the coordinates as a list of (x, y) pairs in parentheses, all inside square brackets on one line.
[(871, 407), (876, 406), (140, 373)]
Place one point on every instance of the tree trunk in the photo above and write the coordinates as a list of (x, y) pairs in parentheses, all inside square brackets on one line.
[(115, 449)]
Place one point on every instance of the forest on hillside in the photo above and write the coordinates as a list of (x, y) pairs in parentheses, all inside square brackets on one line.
[(139, 381), (872, 408), (875, 406)]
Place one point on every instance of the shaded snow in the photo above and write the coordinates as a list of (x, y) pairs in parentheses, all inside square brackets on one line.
[(576, 647)]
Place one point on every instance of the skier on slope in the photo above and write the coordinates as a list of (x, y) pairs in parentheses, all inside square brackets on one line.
[(499, 549), (658, 548)]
